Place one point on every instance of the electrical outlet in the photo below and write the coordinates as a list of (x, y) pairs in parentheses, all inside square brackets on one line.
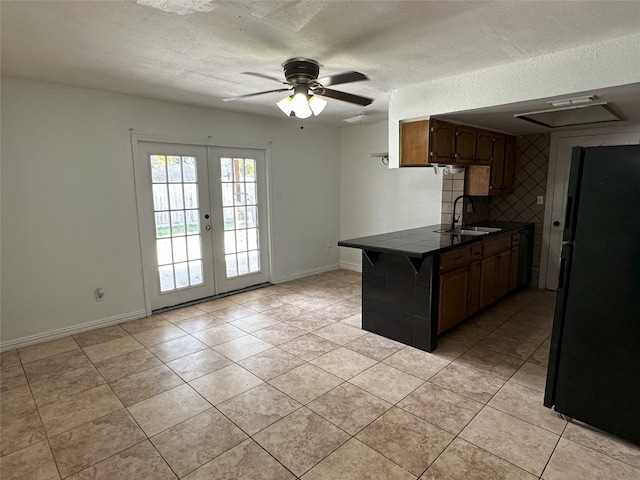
[(540, 200), (99, 293)]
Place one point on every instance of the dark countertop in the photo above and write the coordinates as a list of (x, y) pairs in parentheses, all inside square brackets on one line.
[(424, 241)]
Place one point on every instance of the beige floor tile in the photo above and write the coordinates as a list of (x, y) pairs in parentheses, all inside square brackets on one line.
[(201, 322), (571, 460), (179, 314), (140, 462), (338, 312), (308, 346), (167, 409), (343, 363), (81, 408), (12, 377), (491, 362), (527, 404), (374, 346), (95, 441), (196, 441), (142, 324), (464, 461), (603, 442), (441, 407), (245, 461), (349, 407), (467, 334), (121, 366), (9, 358), (254, 322), (279, 333), (243, 347), (55, 365), (215, 305), (301, 440), (284, 312), (33, 463), (235, 312), (16, 401), (541, 355), (305, 383), (179, 347), (490, 318), (416, 362), (262, 304), (258, 408), (225, 383), (409, 441), (524, 333), (145, 384), (100, 335), (449, 348), (159, 335), (387, 382), (219, 334), (65, 384), (20, 431), (535, 317), (510, 346), (112, 348), (354, 320), (198, 364), (521, 443), (340, 333), (47, 349), (468, 382), (250, 296), (531, 375), (356, 460), (271, 363), (310, 322)]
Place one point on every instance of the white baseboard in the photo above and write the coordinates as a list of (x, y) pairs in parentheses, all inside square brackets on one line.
[(356, 267), (65, 332), (306, 273)]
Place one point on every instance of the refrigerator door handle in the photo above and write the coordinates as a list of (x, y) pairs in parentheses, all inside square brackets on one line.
[(568, 223)]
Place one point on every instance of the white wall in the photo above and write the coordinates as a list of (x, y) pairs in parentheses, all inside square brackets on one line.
[(375, 199), (69, 219), (602, 65)]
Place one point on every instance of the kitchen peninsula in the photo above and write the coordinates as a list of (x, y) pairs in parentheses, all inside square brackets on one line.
[(419, 282)]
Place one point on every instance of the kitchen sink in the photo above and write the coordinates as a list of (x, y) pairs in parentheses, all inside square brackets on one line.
[(472, 231)]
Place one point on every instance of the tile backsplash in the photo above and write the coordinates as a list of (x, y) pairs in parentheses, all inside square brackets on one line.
[(530, 181)]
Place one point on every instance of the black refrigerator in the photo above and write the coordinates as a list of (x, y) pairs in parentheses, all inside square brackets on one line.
[(594, 361)]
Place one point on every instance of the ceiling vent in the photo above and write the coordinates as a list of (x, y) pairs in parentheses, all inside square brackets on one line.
[(571, 112)]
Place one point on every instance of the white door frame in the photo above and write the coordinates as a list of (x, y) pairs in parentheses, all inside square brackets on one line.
[(140, 163), (551, 194)]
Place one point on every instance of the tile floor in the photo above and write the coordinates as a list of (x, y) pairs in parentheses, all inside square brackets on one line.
[(281, 383)]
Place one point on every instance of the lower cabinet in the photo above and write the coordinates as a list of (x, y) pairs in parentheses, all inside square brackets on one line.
[(473, 277)]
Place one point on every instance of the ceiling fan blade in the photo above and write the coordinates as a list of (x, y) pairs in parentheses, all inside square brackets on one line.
[(345, 97), (229, 99), (345, 77), (267, 77)]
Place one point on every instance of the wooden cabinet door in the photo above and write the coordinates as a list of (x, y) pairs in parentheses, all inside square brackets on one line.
[(453, 298), (414, 143), (465, 145), (489, 280), (474, 287), (497, 164), (504, 273), (484, 147), (442, 142)]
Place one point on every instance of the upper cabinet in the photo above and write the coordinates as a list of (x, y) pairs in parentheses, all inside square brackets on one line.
[(489, 156)]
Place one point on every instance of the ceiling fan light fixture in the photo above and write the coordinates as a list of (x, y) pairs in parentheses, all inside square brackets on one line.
[(300, 103), (317, 104), (286, 106)]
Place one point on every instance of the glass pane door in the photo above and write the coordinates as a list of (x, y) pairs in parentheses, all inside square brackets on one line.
[(240, 186)]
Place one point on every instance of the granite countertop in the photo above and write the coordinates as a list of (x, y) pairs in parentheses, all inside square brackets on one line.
[(424, 241)]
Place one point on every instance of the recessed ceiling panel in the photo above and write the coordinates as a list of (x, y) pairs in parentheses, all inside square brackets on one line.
[(571, 116)]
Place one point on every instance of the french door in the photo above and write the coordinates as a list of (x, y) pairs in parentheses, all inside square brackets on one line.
[(203, 220)]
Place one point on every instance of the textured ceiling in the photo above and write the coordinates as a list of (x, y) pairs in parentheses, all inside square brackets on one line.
[(193, 51)]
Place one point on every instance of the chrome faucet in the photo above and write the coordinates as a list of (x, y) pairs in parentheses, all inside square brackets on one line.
[(453, 213)]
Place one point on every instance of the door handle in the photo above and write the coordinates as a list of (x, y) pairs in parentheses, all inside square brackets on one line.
[(556, 223), (207, 227)]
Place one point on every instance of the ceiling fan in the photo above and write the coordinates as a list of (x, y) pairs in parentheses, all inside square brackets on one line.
[(306, 88)]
